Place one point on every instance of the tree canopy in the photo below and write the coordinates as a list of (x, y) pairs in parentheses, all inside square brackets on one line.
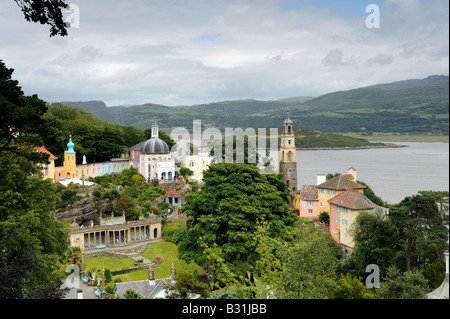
[(45, 12), (226, 212)]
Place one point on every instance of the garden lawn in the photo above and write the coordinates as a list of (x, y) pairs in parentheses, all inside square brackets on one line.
[(168, 252), (110, 263)]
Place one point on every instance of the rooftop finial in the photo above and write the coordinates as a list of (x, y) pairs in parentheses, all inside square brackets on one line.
[(154, 128)]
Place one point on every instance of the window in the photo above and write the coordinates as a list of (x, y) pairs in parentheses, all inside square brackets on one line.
[(345, 234), (320, 204), (310, 211)]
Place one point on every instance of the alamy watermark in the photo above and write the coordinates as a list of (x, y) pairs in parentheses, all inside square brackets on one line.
[(373, 19), (72, 20), (373, 279), (234, 145)]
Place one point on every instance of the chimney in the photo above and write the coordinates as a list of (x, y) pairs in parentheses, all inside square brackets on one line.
[(352, 171), (321, 178)]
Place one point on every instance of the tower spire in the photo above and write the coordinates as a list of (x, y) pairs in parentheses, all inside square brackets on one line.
[(154, 128)]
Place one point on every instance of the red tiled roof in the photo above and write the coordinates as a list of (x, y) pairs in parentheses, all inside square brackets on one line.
[(42, 149), (341, 182), (353, 199), (308, 192), (172, 193)]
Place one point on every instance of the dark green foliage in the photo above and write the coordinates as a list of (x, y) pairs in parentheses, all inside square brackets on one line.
[(31, 240), (45, 12), (422, 237), (324, 217), (435, 273), (186, 285), (225, 213), (20, 114), (374, 237), (403, 285)]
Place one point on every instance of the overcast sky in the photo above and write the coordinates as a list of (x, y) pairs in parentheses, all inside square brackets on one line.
[(199, 51)]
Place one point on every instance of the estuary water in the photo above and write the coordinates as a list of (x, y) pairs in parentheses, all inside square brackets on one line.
[(392, 173)]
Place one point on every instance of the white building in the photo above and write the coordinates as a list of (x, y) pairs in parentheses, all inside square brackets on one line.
[(155, 160)]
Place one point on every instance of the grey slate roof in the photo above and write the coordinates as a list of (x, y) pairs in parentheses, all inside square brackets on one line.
[(155, 145), (340, 182)]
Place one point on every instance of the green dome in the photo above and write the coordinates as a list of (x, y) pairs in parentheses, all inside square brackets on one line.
[(70, 146)]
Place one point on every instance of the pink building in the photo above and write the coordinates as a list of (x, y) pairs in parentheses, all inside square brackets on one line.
[(344, 208), (308, 202)]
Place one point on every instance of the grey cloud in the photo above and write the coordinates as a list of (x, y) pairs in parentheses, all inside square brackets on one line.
[(333, 58), (381, 59)]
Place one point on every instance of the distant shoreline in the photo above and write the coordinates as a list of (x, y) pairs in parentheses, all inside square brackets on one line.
[(387, 145)]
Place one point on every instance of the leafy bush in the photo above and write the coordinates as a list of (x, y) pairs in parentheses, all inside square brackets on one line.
[(69, 196)]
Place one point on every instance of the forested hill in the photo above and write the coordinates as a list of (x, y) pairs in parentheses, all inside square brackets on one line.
[(417, 105)]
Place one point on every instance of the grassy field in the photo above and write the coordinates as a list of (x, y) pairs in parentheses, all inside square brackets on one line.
[(110, 263), (403, 138), (166, 250)]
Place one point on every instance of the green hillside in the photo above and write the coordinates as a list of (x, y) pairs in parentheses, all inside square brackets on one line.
[(414, 106)]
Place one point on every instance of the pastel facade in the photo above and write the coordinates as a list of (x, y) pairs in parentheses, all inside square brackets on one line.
[(344, 208), (197, 164), (308, 203), (174, 199), (48, 170), (114, 232), (152, 158), (72, 170), (335, 186)]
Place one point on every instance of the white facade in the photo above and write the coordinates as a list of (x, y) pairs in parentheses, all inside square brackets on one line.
[(156, 166)]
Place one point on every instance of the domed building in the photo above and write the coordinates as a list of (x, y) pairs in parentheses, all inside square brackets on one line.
[(153, 158)]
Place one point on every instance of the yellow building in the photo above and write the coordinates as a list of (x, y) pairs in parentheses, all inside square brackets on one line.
[(197, 164), (335, 186), (70, 165)]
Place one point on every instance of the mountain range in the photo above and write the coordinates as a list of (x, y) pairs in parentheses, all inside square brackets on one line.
[(415, 105)]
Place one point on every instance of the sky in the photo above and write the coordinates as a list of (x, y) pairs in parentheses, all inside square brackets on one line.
[(190, 52)]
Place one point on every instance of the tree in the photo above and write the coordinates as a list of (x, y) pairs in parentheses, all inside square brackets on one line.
[(374, 237), (398, 285), (132, 294), (310, 268), (31, 240), (45, 12), (419, 224), (125, 204), (187, 285), (324, 217), (234, 198), (185, 172), (21, 121), (351, 288)]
